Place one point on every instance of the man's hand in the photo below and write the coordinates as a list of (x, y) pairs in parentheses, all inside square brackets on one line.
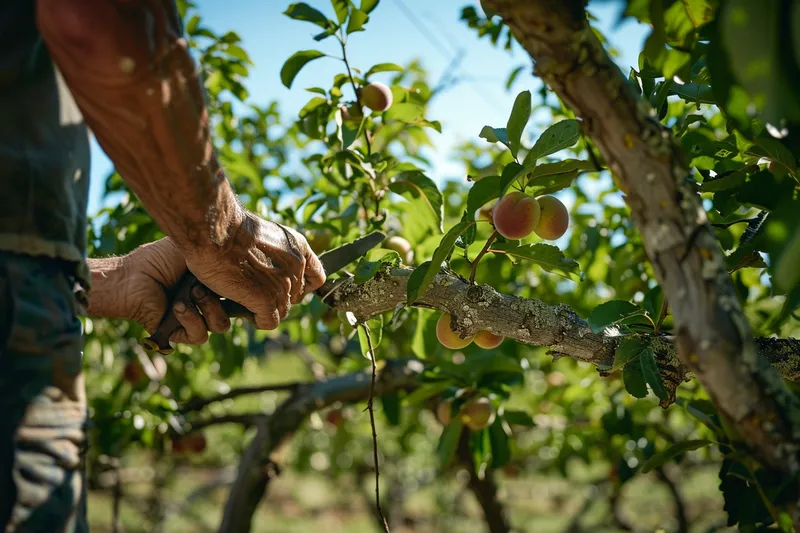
[(264, 266), (134, 287)]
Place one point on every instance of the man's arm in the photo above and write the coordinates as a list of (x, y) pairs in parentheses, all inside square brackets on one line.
[(131, 74)]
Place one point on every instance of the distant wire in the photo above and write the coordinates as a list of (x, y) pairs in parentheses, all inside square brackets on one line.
[(453, 58)]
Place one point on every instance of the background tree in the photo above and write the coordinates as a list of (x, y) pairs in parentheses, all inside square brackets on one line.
[(473, 325)]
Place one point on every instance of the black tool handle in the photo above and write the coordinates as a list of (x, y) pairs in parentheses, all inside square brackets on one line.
[(182, 292)]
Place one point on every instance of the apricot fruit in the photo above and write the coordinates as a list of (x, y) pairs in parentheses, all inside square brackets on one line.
[(402, 247), (335, 417), (134, 372), (477, 414), (444, 412), (191, 443), (515, 215), (553, 218), (376, 96), (448, 337), (488, 340)]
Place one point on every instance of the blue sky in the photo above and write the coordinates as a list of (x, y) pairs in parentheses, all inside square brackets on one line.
[(398, 31)]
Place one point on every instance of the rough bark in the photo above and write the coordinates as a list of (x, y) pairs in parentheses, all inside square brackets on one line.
[(713, 336), (256, 468), (530, 321)]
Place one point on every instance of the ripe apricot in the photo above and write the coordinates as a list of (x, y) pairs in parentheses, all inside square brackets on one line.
[(444, 412), (376, 96), (477, 414), (134, 372), (448, 337), (553, 219), (335, 417), (515, 215), (488, 340)]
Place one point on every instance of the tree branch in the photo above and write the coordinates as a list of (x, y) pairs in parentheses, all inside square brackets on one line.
[(256, 468), (531, 321), (195, 404)]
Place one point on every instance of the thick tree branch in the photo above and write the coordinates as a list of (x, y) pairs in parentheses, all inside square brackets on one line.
[(530, 321), (256, 468), (713, 336)]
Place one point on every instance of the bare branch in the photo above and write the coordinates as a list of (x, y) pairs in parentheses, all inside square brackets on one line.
[(195, 404), (257, 468)]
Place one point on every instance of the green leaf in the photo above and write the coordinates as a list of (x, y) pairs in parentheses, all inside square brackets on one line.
[(776, 151), (547, 256), (391, 408), (448, 442), (419, 284), (375, 327), (357, 20), (629, 349), (724, 182), (679, 448), (368, 5), (425, 341), (634, 381), (765, 189), (518, 418), (366, 269), (560, 135), (405, 112), (341, 9), (485, 190), (499, 444), (419, 187), (383, 67), (494, 135), (520, 114), (653, 301), (693, 92), (312, 104), (303, 11), (610, 313), (652, 375), (548, 178), (294, 64)]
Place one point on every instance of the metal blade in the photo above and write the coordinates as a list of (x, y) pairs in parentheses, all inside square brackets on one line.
[(338, 258)]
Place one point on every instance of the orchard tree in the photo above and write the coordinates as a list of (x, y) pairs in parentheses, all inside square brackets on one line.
[(497, 325)]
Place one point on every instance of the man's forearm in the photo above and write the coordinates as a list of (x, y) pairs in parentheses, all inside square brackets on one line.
[(108, 278), (130, 72)]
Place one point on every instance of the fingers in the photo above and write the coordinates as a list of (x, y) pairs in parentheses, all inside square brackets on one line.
[(216, 319), (206, 314), (194, 327)]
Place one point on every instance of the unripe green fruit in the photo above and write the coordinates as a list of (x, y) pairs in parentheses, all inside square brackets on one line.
[(488, 340), (485, 212), (477, 414), (401, 246), (352, 114), (376, 96), (515, 215), (448, 337), (553, 218)]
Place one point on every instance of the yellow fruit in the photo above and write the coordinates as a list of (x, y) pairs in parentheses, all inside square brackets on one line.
[(553, 218), (515, 215), (448, 337), (477, 414), (487, 340), (376, 96)]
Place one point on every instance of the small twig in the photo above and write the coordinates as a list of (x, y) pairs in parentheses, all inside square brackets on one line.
[(355, 90), (195, 404), (372, 423), (662, 316), (480, 255), (243, 419)]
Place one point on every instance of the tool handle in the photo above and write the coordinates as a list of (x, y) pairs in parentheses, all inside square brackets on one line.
[(182, 292)]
